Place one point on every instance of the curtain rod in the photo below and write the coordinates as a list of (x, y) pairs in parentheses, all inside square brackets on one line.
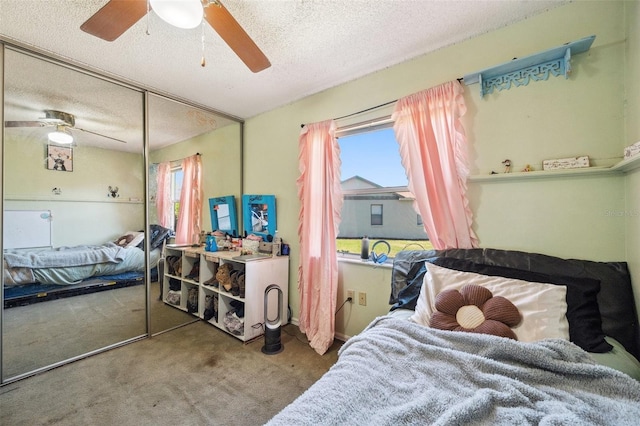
[(460, 80), (360, 112), (179, 159)]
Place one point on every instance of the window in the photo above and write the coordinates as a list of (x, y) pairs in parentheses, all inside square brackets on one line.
[(376, 214), (377, 202), (177, 176)]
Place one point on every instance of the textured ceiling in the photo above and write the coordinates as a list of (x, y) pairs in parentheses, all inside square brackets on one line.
[(312, 45)]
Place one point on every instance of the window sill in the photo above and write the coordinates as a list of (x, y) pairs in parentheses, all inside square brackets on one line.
[(353, 259)]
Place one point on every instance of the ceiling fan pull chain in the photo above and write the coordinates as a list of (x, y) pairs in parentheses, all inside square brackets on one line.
[(203, 62), (148, 13)]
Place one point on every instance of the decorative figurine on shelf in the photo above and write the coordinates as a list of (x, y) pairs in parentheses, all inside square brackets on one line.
[(527, 168), (507, 165), (113, 192)]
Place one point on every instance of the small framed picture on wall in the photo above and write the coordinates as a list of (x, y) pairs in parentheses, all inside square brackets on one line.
[(59, 158)]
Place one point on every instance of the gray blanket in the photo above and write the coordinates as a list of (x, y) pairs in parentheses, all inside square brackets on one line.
[(64, 256), (397, 372)]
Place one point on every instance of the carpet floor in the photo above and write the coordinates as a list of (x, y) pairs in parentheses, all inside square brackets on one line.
[(193, 375)]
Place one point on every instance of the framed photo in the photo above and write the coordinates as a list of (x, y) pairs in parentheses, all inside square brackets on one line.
[(259, 212), (223, 214), (59, 158)]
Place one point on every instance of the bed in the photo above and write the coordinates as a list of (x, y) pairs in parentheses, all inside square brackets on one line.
[(46, 273), (574, 358)]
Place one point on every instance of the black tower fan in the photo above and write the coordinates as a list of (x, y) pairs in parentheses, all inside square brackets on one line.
[(272, 344)]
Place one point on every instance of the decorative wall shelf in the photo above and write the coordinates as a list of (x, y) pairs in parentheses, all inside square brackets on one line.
[(18, 197), (520, 71), (621, 167)]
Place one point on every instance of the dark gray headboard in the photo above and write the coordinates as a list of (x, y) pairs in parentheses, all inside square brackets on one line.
[(615, 299)]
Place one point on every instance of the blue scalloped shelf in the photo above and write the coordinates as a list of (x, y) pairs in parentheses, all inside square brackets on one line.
[(519, 72)]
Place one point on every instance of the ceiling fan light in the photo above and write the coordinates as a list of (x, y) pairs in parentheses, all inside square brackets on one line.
[(185, 14), (61, 136)]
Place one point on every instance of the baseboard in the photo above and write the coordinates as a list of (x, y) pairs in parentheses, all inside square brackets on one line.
[(338, 336)]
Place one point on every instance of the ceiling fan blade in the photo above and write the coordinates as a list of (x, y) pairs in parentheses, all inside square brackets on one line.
[(235, 36), (99, 134), (114, 18), (25, 124)]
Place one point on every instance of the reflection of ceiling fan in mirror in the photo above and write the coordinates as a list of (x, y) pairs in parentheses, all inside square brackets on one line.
[(64, 124), (117, 16)]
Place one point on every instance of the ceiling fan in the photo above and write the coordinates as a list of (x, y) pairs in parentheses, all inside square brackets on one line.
[(117, 16), (62, 121)]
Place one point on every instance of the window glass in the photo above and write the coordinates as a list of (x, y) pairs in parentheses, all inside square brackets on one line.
[(376, 214), (377, 202), (177, 176)]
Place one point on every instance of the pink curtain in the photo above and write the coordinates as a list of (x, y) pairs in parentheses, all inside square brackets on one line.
[(320, 197), (433, 148), (189, 217), (163, 196)]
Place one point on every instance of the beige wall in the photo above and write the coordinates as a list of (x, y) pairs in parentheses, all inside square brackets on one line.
[(583, 115)]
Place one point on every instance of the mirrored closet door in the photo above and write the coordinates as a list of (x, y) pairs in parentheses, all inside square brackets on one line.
[(74, 175), (178, 130), (78, 177)]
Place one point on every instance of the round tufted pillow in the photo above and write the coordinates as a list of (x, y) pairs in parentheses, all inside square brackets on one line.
[(474, 309), (124, 240)]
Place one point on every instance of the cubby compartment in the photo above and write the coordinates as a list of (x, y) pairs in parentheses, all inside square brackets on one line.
[(232, 313), (190, 298), (191, 266), (208, 270), (209, 305), (232, 287)]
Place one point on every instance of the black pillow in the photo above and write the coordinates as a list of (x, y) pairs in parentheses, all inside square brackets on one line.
[(583, 313)]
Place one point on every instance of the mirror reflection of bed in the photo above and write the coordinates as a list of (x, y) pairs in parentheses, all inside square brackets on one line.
[(82, 309)]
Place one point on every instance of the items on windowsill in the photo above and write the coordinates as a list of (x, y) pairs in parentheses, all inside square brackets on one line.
[(527, 168), (364, 249), (507, 165), (566, 163), (632, 150)]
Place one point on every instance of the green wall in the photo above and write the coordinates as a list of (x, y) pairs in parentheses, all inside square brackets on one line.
[(221, 165), (632, 128), (584, 115), (82, 212)]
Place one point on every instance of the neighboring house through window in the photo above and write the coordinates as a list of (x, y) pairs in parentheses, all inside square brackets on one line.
[(377, 202)]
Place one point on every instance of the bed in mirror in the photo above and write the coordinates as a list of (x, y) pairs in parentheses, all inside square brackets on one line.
[(98, 191)]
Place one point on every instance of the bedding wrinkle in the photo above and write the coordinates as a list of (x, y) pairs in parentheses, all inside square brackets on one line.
[(402, 373), (65, 256)]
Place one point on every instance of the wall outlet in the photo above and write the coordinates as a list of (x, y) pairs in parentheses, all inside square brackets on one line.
[(362, 298), (351, 294)]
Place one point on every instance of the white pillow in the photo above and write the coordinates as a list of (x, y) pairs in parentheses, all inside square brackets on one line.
[(543, 306), (130, 239)]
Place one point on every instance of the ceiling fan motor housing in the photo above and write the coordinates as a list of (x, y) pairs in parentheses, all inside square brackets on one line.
[(65, 117)]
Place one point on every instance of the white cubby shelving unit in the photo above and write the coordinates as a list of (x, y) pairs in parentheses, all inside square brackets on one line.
[(259, 274)]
